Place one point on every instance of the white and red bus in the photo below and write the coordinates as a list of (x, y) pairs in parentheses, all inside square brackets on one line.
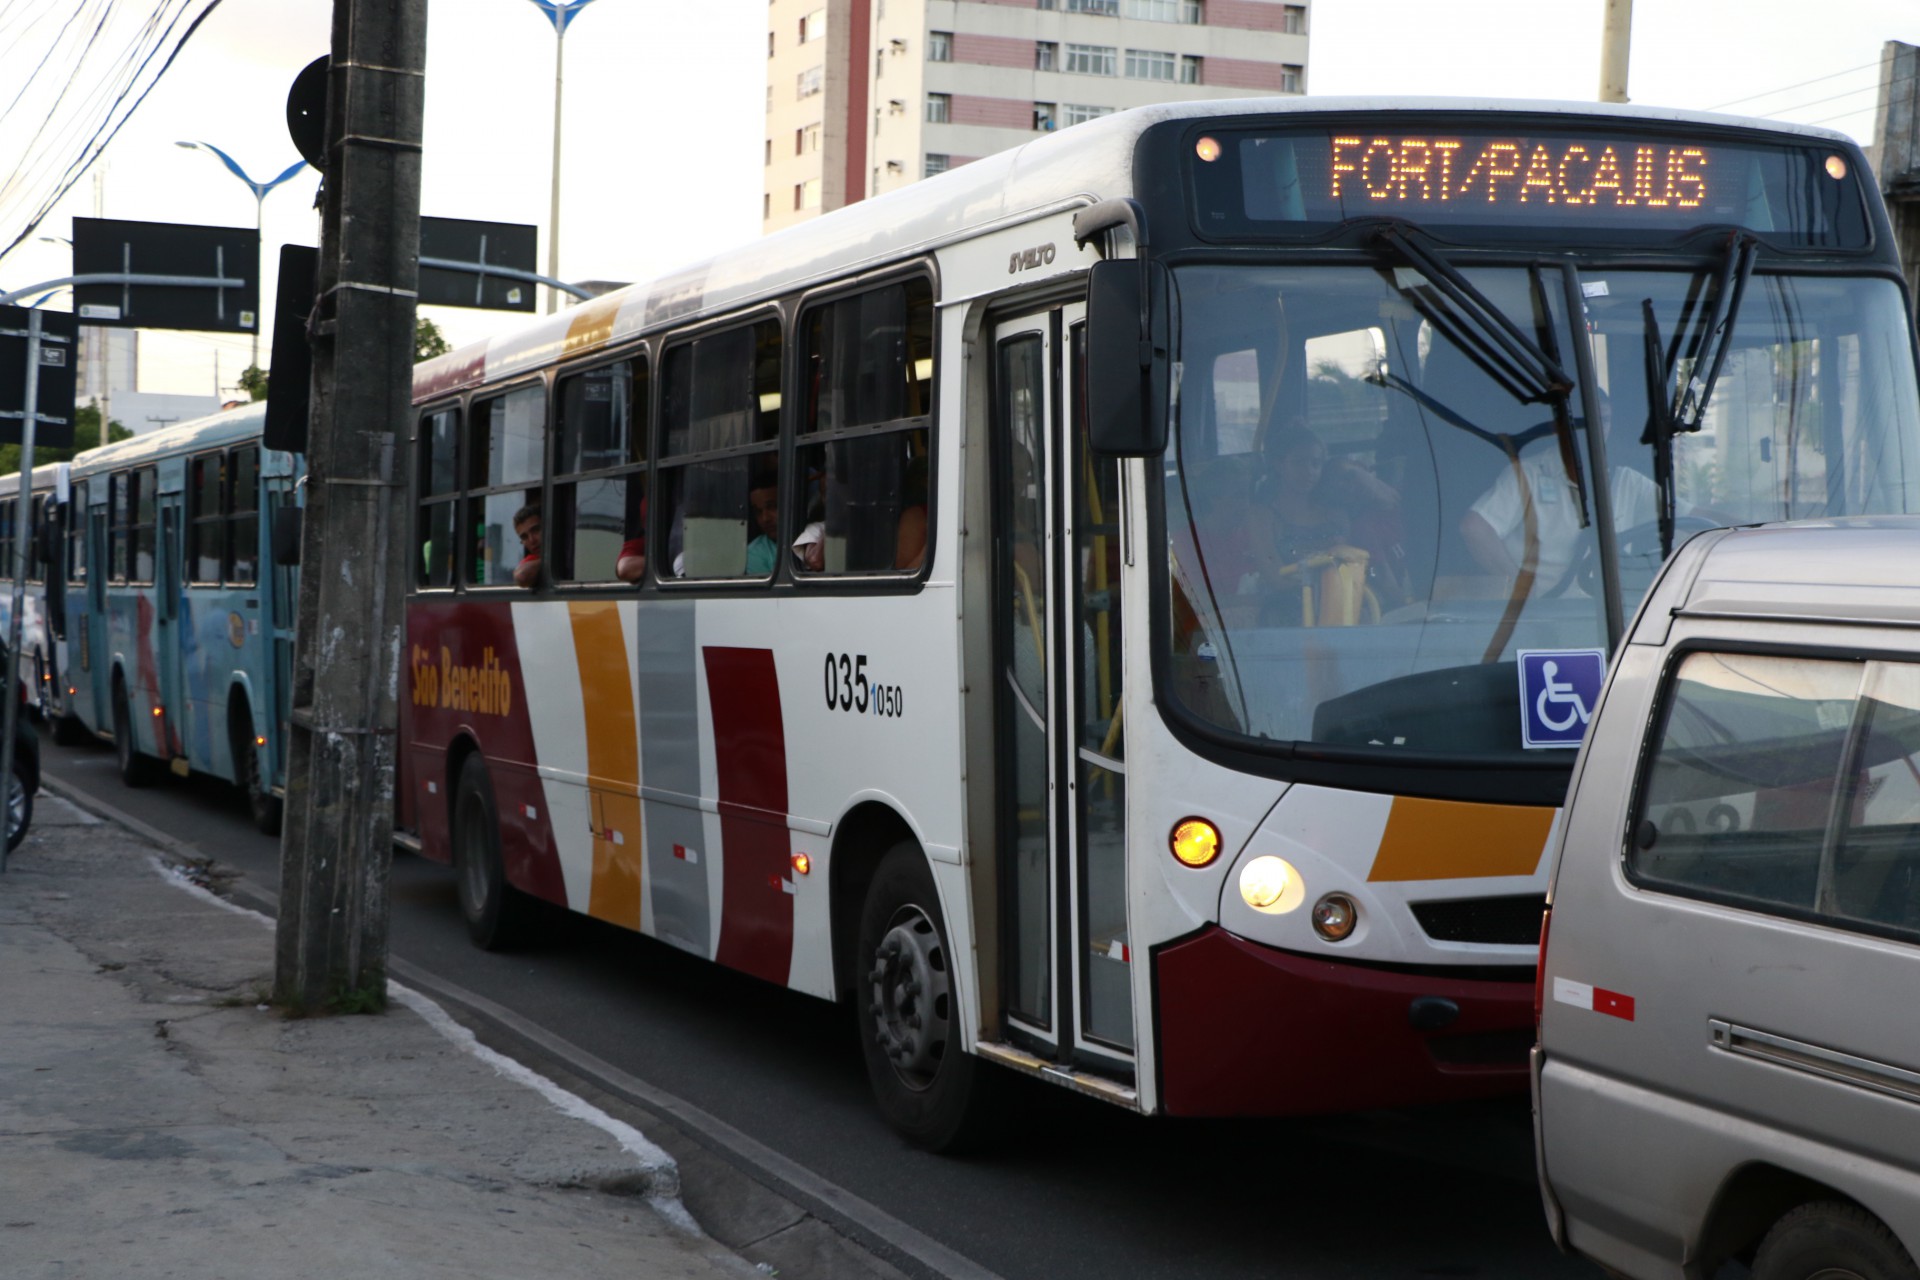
[(1122, 610)]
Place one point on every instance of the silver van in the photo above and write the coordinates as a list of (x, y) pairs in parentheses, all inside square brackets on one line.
[(1728, 1070)]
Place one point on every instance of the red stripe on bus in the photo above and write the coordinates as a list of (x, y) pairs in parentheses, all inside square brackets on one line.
[(750, 757)]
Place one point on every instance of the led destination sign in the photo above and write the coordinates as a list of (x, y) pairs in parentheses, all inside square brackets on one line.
[(1533, 182), (1435, 170)]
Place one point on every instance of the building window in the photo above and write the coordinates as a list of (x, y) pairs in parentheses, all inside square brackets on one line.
[(810, 194), (1046, 55), (769, 44), (808, 139), (936, 163), (1291, 78), (1045, 117), (797, 188), (813, 26), (939, 46), (769, 159), (1106, 8), (879, 63), (766, 205), (939, 108), (1147, 64), (1293, 20), (1189, 69), (798, 135), (809, 82), (769, 97), (1187, 11), (1072, 113), (1091, 59)]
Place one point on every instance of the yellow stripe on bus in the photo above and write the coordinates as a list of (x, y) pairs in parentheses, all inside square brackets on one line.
[(1454, 840), (613, 761)]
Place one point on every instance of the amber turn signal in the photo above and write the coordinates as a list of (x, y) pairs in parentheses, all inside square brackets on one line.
[(1195, 841)]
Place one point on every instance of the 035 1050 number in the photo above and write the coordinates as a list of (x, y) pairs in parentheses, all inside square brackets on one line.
[(848, 689)]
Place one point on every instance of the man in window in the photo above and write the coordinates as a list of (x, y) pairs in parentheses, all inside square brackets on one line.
[(526, 524)]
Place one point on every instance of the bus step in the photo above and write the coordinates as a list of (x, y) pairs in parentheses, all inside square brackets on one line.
[(406, 840), (1082, 1082), (180, 766)]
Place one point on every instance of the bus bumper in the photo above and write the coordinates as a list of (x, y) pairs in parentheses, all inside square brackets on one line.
[(1247, 1030)]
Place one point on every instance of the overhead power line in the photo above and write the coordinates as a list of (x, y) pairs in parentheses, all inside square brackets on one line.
[(1798, 84)]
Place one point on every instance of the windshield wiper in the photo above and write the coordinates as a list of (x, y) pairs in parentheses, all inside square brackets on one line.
[(1476, 325), (1684, 408)]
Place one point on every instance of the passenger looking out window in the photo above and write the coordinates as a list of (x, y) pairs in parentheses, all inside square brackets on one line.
[(764, 497), (526, 524)]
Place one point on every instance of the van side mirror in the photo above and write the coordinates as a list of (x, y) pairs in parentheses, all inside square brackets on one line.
[(1128, 357), (286, 536)]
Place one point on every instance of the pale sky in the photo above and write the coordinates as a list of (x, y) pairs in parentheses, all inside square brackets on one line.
[(665, 105)]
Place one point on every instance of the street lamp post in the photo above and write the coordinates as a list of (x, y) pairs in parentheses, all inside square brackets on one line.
[(561, 13), (260, 190)]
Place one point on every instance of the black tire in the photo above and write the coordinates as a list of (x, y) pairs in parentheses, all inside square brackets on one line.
[(931, 1092), (71, 731), (497, 914), (1829, 1240), (19, 806), (136, 770), (262, 805)]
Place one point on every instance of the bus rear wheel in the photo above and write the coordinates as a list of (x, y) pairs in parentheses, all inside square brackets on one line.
[(136, 770), (929, 1089), (495, 912)]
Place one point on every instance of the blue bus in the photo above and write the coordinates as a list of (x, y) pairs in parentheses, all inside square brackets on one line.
[(178, 625)]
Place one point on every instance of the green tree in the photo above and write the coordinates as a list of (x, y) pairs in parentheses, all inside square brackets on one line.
[(254, 382), (86, 435), (428, 341)]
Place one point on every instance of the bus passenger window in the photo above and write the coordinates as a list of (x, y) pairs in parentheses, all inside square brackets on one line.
[(439, 497), (77, 534), (206, 521), (242, 566), (119, 509), (599, 484), (506, 439), (862, 497), (720, 408), (142, 528)]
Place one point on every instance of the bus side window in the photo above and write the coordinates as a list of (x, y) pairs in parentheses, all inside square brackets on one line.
[(141, 530), (77, 534), (438, 496), (861, 501), (506, 453), (720, 407), (206, 517), (242, 563), (600, 480)]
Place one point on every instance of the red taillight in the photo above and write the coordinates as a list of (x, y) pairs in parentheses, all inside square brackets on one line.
[(1540, 972)]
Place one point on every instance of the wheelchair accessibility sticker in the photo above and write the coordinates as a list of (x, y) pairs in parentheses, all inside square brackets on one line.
[(1558, 690)]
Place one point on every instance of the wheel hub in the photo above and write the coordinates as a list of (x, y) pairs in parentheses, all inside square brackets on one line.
[(909, 982)]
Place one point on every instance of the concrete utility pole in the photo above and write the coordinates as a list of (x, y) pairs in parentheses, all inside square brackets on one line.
[(1897, 153), (1616, 39), (336, 853)]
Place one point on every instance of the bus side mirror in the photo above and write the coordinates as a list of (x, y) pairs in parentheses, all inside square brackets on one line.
[(286, 536), (1127, 357)]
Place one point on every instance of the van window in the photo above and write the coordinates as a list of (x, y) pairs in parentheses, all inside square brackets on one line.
[(1789, 784)]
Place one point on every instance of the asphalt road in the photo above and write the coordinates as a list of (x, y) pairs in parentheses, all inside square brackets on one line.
[(1078, 1189)]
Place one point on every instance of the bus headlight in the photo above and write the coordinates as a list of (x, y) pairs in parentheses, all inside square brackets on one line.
[(1334, 917), (1271, 885)]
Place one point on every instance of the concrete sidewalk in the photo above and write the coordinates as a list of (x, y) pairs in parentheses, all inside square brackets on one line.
[(157, 1120)]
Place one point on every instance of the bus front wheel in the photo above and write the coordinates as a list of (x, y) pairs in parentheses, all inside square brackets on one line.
[(495, 912), (136, 770), (929, 1089), (262, 805)]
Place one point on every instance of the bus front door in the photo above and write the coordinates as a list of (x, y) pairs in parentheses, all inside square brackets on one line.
[(1066, 959)]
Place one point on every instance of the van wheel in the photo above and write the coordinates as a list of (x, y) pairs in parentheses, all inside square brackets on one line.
[(136, 770), (262, 805), (929, 1090), (1828, 1240), (497, 914)]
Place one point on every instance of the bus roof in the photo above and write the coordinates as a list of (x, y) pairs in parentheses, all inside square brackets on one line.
[(1067, 168), (227, 427)]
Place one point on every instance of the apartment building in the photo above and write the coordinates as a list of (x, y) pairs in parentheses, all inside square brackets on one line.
[(867, 95)]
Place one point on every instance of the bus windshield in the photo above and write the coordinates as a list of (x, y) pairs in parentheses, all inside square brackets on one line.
[(1369, 518)]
